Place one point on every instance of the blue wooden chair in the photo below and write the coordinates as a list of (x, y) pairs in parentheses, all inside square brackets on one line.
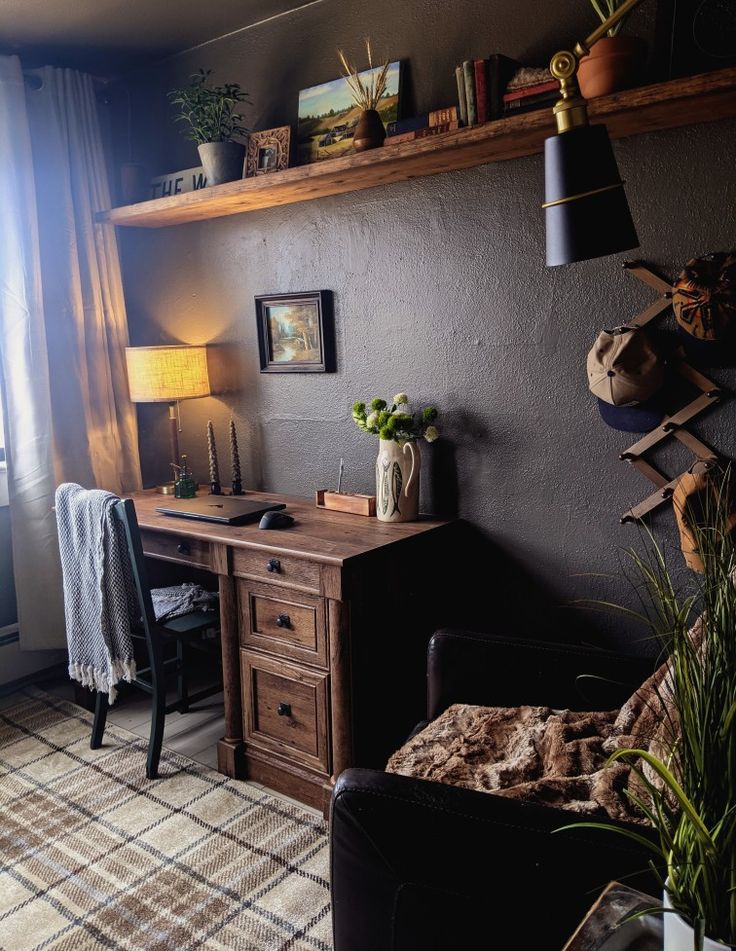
[(184, 631)]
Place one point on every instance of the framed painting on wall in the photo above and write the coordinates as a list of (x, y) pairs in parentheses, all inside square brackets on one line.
[(296, 332)]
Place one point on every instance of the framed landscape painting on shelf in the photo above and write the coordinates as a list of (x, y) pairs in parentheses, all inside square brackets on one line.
[(328, 116), (295, 332)]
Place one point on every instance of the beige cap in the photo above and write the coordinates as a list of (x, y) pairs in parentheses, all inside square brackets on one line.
[(701, 498), (623, 367)]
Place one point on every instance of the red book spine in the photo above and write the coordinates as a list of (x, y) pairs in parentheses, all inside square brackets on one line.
[(481, 89), (423, 133), (535, 90)]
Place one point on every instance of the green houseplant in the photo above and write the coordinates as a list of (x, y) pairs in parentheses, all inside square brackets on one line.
[(214, 122), (615, 61), (686, 787), (398, 464)]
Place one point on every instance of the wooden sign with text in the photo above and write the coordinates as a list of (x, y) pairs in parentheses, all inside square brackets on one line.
[(176, 183)]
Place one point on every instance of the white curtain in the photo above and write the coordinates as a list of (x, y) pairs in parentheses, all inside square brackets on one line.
[(62, 327)]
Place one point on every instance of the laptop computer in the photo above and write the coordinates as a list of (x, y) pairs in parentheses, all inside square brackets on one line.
[(219, 508)]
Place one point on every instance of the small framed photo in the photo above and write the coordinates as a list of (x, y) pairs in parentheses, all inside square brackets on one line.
[(296, 332), (268, 151)]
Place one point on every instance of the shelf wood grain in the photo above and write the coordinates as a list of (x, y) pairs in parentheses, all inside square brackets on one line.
[(679, 102)]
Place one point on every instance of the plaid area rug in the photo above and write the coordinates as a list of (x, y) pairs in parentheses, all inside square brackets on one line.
[(94, 855)]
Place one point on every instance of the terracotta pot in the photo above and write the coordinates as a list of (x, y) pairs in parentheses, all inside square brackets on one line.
[(614, 63), (222, 161), (369, 132), (397, 481)]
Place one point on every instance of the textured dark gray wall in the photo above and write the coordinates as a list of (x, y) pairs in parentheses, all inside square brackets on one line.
[(440, 290)]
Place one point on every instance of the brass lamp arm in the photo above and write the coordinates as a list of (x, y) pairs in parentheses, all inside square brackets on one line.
[(570, 111), (582, 49)]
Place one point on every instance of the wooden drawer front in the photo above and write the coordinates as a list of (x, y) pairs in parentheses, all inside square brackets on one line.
[(179, 548), (290, 625), (299, 731), (276, 569)]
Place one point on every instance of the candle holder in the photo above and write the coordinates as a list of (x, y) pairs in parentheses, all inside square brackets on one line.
[(215, 487), (237, 484)]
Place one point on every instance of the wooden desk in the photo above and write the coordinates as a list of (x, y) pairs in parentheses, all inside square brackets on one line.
[(324, 630)]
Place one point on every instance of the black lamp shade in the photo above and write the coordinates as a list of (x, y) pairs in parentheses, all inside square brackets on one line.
[(595, 220)]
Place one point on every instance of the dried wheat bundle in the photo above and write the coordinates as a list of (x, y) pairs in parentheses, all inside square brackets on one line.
[(369, 92)]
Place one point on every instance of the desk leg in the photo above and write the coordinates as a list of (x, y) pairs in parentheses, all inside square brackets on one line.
[(340, 689), (230, 747)]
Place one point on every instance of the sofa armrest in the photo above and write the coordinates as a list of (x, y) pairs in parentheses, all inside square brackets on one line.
[(417, 864), (501, 671)]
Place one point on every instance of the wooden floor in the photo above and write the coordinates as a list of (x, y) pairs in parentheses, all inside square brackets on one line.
[(193, 734)]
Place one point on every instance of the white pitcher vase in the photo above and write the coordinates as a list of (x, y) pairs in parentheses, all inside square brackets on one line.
[(678, 934), (397, 481)]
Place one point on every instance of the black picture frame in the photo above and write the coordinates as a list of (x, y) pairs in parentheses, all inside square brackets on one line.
[(310, 348)]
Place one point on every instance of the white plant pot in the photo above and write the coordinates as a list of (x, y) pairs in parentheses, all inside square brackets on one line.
[(397, 481), (679, 936)]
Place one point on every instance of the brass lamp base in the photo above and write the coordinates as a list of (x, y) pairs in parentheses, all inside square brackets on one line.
[(166, 489)]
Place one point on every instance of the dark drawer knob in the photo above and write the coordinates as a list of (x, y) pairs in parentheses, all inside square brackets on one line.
[(183, 548), (273, 564), (284, 710), (283, 620)]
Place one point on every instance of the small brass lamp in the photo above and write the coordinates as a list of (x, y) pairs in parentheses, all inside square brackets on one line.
[(586, 211)]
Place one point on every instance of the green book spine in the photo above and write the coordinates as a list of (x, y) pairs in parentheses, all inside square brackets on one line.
[(469, 76), (461, 101)]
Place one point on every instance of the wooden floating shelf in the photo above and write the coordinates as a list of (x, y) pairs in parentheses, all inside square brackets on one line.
[(679, 102)]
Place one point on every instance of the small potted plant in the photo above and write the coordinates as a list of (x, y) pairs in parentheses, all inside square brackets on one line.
[(686, 786), (399, 460), (615, 61), (367, 91), (214, 124)]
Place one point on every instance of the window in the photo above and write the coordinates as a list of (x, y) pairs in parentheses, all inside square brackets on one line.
[(2, 436)]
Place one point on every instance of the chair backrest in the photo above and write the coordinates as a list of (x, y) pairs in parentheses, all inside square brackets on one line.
[(125, 513)]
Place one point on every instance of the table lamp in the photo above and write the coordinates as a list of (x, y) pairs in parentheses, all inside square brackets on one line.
[(586, 212), (167, 375)]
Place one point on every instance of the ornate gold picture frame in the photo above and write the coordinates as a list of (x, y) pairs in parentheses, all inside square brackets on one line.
[(268, 151)]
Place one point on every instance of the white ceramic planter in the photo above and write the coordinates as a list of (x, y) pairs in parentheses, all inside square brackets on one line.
[(397, 481), (679, 936)]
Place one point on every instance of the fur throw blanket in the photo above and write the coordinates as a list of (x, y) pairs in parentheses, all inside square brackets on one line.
[(536, 754)]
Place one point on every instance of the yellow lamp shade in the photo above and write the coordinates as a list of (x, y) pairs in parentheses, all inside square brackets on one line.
[(166, 374)]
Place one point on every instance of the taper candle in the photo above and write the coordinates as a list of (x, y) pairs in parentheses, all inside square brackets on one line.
[(215, 488), (235, 456)]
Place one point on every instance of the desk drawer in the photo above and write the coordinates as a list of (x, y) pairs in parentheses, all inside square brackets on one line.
[(285, 709), (179, 548), (276, 569), (283, 622)]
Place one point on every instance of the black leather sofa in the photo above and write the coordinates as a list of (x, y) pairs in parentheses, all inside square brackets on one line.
[(423, 866)]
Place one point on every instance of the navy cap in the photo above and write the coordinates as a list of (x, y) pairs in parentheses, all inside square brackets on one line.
[(634, 418)]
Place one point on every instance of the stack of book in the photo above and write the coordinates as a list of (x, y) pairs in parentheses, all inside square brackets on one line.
[(417, 127), (528, 89), (480, 87)]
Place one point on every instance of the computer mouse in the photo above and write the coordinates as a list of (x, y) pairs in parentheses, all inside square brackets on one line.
[(275, 520)]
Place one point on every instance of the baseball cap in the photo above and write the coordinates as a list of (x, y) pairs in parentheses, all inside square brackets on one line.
[(699, 495), (625, 372), (704, 302)]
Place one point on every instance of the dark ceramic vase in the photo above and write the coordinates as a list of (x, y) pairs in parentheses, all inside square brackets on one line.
[(369, 132), (222, 161)]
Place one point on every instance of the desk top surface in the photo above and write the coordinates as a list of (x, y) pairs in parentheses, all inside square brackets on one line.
[(319, 534)]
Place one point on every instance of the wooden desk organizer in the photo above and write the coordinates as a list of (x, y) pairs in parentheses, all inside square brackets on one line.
[(351, 502)]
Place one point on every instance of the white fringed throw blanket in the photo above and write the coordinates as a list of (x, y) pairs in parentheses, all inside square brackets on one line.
[(98, 588)]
